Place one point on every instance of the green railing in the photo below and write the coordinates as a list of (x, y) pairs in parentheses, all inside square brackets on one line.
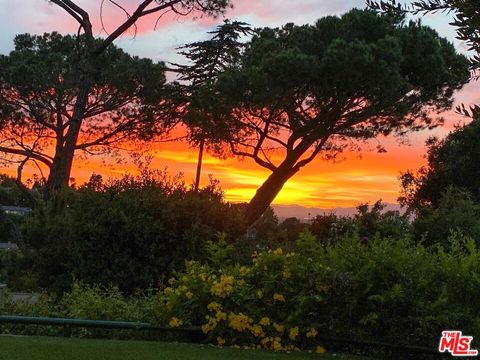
[(68, 324), (195, 334)]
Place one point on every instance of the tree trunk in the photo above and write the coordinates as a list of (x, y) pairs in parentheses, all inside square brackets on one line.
[(60, 171), (199, 165), (63, 160), (268, 192)]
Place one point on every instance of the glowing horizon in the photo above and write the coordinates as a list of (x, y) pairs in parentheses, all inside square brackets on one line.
[(320, 184)]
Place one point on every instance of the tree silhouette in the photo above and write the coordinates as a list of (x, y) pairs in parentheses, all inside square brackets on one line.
[(40, 81), (301, 91), (467, 23), (207, 60), (453, 161), (88, 67)]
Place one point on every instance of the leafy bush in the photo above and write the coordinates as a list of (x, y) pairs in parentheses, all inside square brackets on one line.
[(390, 290), (455, 211), (128, 232), (15, 270)]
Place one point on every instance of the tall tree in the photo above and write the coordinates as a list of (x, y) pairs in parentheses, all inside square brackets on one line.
[(301, 91), (89, 58), (207, 60), (453, 161), (40, 81)]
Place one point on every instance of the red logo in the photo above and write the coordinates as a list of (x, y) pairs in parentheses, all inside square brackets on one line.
[(456, 344)]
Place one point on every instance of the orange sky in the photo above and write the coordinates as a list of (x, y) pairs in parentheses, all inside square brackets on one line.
[(319, 184), (364, 177)]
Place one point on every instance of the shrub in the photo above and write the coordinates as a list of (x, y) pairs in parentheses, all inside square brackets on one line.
[(15, 270), (389, 290), (455, 211), (129, 233)]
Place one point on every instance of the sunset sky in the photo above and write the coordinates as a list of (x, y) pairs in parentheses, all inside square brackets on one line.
[(358, 178)]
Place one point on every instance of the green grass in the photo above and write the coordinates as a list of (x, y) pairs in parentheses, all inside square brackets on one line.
[(51, 348)]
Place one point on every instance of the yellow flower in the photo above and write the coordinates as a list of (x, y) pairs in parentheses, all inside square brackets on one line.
[(293, 333), (211, 325), (171, 281), (220, 315), (239, 322), (278, 251), (286, 274), (223, 287), (279, 328), (189, 295), (277, 346), (175, 322), (168, 290), (214, 306), (259, 294), (312, 333), (320, 350), (257, 331), (279, 297), (264, 321), (220, 341), (244, 270)]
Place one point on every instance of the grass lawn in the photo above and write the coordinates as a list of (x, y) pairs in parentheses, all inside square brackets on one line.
[(51, 348)]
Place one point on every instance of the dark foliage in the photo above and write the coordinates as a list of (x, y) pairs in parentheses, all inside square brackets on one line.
[(303, 91), (130, 233), (453, 161)]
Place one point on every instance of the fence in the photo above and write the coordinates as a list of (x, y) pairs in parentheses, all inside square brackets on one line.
[(195, 334)]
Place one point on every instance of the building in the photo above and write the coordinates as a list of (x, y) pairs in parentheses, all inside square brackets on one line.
[(8, 246), (15, 210)]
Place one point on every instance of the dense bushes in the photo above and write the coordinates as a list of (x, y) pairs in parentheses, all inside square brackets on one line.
[(389, 290), (130, 232), (455, 211), (16, 271), (133, 232)]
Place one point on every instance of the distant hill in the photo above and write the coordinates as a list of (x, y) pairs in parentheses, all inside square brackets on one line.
[(304, 213)]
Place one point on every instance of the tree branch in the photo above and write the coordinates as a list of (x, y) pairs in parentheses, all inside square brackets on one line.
[(26, 153), (137, 14)]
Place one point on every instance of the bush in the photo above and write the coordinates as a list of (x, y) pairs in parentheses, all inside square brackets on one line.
[(15, 270), (129, 233), (390, 290), (455, 212)]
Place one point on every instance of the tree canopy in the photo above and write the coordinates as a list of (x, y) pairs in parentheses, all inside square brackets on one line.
[(453, 161), (467, 17), (467, 23), (39, 84), (88, 78), (301, 91), (206, 61)]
